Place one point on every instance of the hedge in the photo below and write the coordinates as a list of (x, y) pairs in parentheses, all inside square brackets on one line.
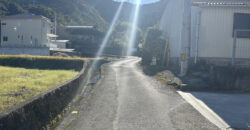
[(42, 62)]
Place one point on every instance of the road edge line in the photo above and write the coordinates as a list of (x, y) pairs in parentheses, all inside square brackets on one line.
[(204, 110)]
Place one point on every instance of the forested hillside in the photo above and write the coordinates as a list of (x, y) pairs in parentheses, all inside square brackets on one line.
[(69, 12), (150, 14), (89, 12), (84, 12)]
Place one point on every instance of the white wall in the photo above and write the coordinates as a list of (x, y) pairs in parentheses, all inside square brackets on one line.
[(172, 23), (46, 29), (25, 51), (25, 28), (215, 33)]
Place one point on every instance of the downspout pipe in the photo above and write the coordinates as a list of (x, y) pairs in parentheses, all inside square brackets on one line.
[(197, 36)]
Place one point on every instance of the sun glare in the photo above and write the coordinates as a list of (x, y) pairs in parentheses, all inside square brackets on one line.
[(133, 32), (106, 38)]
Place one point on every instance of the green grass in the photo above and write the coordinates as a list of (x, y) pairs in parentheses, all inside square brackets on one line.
[(19, 84)]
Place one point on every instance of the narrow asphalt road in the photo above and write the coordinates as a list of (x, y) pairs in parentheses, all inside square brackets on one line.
[(127, 99)]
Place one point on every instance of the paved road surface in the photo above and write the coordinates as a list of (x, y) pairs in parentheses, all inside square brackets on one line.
[(233, 108), (126, 99)]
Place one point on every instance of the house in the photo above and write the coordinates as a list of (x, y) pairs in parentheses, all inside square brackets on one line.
[(25, 34), (203, 30)]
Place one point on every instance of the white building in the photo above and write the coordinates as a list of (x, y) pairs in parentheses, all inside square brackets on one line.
[(213, 25), (203, 30), (25, 34)]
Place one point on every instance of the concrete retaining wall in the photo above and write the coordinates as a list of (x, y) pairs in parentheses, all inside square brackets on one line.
[(206, 76), (230, 78), (39, 111)]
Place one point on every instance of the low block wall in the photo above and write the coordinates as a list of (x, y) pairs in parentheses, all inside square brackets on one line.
[(39, 111)]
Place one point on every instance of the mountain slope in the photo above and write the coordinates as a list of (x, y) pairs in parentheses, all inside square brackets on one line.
[(150, 14), (69, 12)]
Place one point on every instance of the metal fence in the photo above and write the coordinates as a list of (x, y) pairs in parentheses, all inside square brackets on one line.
[(241, 52)]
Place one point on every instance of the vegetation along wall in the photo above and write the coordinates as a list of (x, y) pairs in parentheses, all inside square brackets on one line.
[(42, 62)]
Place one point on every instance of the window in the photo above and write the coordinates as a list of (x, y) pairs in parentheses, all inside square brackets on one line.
[(5, 39), (4, 24), (242, 22)]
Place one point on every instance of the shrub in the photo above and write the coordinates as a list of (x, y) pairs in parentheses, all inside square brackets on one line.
[(42, 62), (153, 46)]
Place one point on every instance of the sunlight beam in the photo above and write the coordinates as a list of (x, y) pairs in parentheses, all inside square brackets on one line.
[(106, 39), (133, 33), (110, 30)]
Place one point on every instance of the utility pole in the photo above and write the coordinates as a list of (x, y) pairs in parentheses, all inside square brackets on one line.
[(186, 37)]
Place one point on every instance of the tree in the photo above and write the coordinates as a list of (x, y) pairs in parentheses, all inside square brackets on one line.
[(42, 10), (153, 46), (121, 34), (9, 8), (14, 8)]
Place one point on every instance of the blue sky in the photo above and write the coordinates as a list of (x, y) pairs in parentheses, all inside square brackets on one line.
[(143, 1)]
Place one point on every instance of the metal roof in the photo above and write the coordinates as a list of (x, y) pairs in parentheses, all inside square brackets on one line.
[(60, 41), (222, 3), (61, 50), (51, 35), (80, 27)]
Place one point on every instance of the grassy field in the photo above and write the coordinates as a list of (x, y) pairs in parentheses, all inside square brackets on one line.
[(19, 84)]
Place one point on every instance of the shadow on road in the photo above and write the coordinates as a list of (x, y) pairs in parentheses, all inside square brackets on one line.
[(233, 108)]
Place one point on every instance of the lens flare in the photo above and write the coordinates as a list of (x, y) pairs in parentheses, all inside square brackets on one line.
[(110, 30), (106, 38), (133, 33)]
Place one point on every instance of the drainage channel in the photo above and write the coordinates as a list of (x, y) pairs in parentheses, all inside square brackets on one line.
[(75, 108), (91, 83)]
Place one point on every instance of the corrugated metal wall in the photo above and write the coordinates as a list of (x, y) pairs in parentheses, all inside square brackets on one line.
[(215, 33)]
